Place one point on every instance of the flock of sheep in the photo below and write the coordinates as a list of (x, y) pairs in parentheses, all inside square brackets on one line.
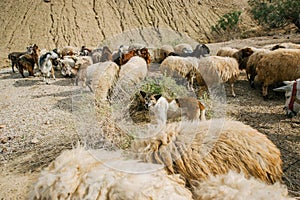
[(233, 162)]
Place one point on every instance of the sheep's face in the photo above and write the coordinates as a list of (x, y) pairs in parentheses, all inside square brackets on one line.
[(292, 96)]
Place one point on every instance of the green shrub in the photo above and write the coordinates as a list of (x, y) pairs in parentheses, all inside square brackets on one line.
[(166, 86), (276, 13), (228, 22)]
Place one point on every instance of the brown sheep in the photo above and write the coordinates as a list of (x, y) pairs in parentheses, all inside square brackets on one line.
[(199, 149), (278, 66)]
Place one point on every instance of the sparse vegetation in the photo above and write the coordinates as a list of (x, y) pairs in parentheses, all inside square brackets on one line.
[(276, 13), (227, 23), (166, 86)]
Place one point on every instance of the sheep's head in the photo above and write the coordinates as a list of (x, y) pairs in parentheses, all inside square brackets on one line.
[(292, 96), (242, 57)]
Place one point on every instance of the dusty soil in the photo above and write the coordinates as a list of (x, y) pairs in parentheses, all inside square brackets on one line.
[(37, 123)]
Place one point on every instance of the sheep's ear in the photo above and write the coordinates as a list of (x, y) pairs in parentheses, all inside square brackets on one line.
[(283, 88), (157, 96), (143, 94)]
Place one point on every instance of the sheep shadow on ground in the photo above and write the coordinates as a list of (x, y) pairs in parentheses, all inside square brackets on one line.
[(63, 82), (8, 74), (26, 82)]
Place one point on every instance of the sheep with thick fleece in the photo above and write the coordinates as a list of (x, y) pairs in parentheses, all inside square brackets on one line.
[(236, 186), (226, 68), (278, 66), (226, 51), (199, 149), (132, 73), (177, 66), (183, 48), (101, 78), (252, 62), (161, 53), (99, 174)]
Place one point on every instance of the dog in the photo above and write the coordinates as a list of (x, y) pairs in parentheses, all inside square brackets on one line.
[(189, 108)]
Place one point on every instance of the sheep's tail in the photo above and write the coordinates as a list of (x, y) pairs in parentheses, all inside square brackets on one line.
[(202, 111)]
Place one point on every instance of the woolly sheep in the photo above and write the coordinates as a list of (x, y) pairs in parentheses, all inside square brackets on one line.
[(82, 174), (195, 151), (278, 66), (101, 78), (177, 66), (161, 53), (81, 76), (132, 73), (69, 51), (183, 48), (227, 69), (226, 52), (252, 62), (235, 186)]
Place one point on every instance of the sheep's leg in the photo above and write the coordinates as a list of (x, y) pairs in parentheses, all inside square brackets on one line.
[(12, 66), (232, 90), (265, 91), (202, 115), (30, 71), (21, 71), (52, 72)]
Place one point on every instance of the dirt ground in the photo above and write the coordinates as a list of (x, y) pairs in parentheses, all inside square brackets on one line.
[(37, 123)]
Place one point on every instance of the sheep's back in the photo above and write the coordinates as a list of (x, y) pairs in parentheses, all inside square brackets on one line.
[(218, 69), (173, 65), (279, 65)]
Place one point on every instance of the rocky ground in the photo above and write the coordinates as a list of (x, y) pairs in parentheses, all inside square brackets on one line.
[(37, 122)]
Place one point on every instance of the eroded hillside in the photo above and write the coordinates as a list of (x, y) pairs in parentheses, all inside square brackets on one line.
[(75, 22)]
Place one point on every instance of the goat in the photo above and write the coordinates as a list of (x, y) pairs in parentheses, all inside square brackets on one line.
[(27, 61), (14, 56), (45, 64)]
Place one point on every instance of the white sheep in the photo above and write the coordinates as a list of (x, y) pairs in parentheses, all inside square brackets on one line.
[(101, 78), (236, 186), (132, 73), (99, 174), (226, 51), (183, 48), (199, 149), (180, 67), (278, 66), (217, 69)]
